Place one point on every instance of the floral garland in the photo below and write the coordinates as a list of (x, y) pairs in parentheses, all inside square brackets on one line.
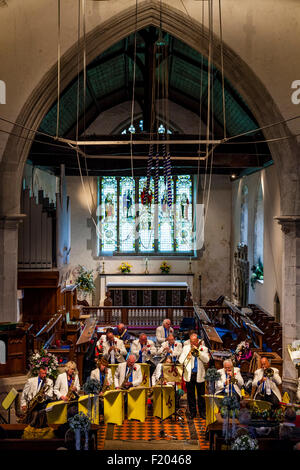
[(46, 359), (244, 442)]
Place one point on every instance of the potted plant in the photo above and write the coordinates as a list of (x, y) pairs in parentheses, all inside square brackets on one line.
[(125, 267), (165, 267)]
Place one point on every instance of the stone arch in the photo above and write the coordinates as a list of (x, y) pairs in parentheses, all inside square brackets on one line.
[(113, 30)]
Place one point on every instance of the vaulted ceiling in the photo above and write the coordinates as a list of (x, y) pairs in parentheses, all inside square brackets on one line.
[(109, 82)]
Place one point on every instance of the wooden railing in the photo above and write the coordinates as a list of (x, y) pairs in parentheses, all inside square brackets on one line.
[(138, 316)]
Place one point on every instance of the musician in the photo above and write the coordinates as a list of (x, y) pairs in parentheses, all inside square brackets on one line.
[(194, 373), (191, 332), (231, 380), (121, 332), (128, 374), (266, 381), (114, 350), (33, 386), (102, 373), (102, 340), (171, 348), (158, 372), (163, 331), (67, 379), (143, 349)]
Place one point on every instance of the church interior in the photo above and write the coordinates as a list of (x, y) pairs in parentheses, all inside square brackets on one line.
[(150, 249)]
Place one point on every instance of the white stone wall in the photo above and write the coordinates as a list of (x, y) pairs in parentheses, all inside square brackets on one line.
[(264, 293), (213, 264), (37, 179)]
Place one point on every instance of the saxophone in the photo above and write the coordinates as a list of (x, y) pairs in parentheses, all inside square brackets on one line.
[(105, 385), (123, 386), (71, 395), (40, 397)]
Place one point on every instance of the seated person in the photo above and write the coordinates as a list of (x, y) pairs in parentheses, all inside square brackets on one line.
[(288, 429), (231, 380), (67, 384), (143, 349), (170, 348), (163, 331), (128, 374), (102, 373), (114, 350), (32, 387), (265, 383), (158, 373), (121, 332)]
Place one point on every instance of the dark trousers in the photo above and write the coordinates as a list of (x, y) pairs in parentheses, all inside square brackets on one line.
[(191, 395), (270, 398)]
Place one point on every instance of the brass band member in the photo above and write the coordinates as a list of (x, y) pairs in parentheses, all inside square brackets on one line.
[(67, 382), (191, 332), (128, 374), (158, 373), (231, 380), (266, 381), (171, 348), (193, 358), (114, 350), (33, 386), (143, 349), (103, 374), (163, 331), (121, 332)]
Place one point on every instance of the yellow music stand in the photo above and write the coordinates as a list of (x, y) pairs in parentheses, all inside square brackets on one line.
[(212, 405), (137, 397), (56, 412), (168, 397), (7, 403), (145, 368), (83, 406), (113, 407)]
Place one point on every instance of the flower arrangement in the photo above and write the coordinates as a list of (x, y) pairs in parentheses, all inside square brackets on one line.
[(244, 442), (43, 358), (212, 375), (85, 280), (258, 273), (229, 406), (91, 386), (125, 267), (79, 421), (165, 267)]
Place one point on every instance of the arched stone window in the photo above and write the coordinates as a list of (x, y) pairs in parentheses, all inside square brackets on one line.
[(258, 249), (244, 216)]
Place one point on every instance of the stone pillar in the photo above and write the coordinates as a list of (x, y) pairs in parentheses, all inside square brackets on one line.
[(9, 266), (290, 225)]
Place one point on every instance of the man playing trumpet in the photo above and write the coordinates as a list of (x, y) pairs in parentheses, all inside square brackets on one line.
[(193, 358), (143, 349), (231, 380), (265, 383), (114, 350)]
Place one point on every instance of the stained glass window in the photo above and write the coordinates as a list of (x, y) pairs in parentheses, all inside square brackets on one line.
[(146, 216), (108, 214), (127, 214), (126, 227), (165, 218), (184, 213)]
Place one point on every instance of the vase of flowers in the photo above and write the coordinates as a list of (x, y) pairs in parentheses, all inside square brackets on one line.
[(80, 424), (44, 358), (165, 267), (85, 281), (125, 267)]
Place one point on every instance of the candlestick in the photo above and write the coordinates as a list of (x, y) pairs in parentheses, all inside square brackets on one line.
[(146, 266), (103, 270)]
